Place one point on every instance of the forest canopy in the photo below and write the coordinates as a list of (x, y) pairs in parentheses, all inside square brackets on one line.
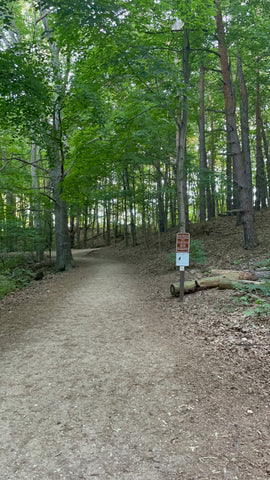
[(121, 116)]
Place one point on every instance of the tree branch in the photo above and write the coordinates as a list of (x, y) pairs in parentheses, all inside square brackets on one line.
[(5, 164), (45, 14), (28, 163), (68, 170)]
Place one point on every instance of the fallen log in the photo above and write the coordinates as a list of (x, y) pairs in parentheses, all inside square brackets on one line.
[(195, 285), (220, 282), (260, 273), (227, 283), (189, 287), (236, 274), (208, 282)]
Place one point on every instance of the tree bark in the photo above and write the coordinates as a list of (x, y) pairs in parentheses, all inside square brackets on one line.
[(229, 175), (250, 237), (212, 207), (161, 211), (39, 241), (56, 155), (266, 152), (181, 134), (202, 149), (261, 185), (267, 156), (245, 125), (125, 181)]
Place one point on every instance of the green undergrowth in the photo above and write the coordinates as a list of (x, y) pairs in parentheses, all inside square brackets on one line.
[(256, 298), (196, 255), (18, 271)]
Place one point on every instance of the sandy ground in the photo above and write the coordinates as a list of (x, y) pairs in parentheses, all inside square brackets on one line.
[(104, 375)]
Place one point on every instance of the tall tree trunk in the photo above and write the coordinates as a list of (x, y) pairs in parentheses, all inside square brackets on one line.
[(181, 134), (143, 204), (261, 185), (108, 222), (56, 155), (74, 227), (133, 216), (11, 224), (212, 207), (205, 196), (166, 199), (85, 226), (161, 213), (125, 182), (39, 241), (250, 237), (245, 125), (266, 152), (172, 199), (231, 194), (131, 209)]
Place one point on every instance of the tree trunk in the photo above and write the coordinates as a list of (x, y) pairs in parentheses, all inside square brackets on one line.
[(261, 185), (74, 227), (125, 175), (143, 204), (245, 125), (166, 199), (172, 198), (266, 152), (230, 194), (39, 241), (250, 237), (202, 149), (212, 208), (161, 212), (62, 238), (181, 134), (11, 223), (85, 226), (56, 154)]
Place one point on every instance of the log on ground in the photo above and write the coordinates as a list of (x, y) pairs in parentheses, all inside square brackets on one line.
[(227, 283), (220, 282), (189, 287), (236, 274), (195, 285)]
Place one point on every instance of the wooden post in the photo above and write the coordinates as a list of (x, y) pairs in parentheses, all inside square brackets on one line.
[(182, 259), (182, 282)]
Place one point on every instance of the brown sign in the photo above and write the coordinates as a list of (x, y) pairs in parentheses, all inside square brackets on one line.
[(182, 242)]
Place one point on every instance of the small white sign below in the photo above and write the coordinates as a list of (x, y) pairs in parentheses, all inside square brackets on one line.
[(182, 259)]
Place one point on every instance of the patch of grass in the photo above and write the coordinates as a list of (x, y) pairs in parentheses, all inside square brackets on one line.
[(7, 285)]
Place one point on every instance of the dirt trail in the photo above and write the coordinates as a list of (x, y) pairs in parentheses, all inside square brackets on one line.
[(98, 380)]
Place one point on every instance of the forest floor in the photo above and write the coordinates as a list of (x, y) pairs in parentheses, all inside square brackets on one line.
[(105, 375)]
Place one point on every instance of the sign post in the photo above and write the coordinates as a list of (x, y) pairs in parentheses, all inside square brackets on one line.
[(182, 258)]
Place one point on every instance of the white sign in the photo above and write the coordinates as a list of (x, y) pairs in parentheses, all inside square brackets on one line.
[(182, 259)]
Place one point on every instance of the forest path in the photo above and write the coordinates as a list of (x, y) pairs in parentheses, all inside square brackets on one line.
[(98, 381)]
